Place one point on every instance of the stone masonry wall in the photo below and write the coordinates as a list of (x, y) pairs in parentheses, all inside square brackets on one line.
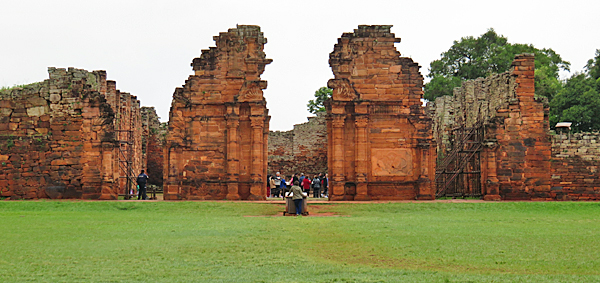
[(380, 143), (520, 160), (219, 124), (58, 137), (575, 164), (301, 150)]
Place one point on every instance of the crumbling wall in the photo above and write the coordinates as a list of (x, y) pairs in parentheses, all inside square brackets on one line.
[(153, 139), (301, 150), (58, 138), (515, 162), (218, 123), (380, 143), (575, 163)]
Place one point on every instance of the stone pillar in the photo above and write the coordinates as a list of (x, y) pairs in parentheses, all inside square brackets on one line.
[(427, 174), (233, 161), (361, 155), (258, 132), (337, 158), (489, 177)]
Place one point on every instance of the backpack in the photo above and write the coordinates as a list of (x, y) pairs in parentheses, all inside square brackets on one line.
[(316, 183), (277, 182), (141, 179)]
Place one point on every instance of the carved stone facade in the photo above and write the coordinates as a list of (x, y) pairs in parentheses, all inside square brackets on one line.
[(380, 142), (218, 124), (60, 138)]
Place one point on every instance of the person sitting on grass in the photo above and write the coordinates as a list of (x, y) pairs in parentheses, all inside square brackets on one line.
[(297, 197)]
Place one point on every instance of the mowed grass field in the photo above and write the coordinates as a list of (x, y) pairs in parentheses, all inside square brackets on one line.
[(76, 241)]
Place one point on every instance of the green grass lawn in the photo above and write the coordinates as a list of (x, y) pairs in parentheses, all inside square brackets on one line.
[(75, 241)]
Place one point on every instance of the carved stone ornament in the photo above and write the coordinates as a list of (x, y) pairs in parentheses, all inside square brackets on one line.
[(342, 90), (252, 90), (391, 162)]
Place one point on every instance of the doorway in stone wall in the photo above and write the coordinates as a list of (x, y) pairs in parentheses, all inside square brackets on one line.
[(459, 173)]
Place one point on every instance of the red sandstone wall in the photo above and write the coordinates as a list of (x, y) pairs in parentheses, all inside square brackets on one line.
[(58, 139), (379, 139), (575, 163), (218, 123), (521, 160)]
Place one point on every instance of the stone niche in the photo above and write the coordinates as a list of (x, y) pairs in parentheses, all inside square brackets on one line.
[(380, 144), (216, 146)]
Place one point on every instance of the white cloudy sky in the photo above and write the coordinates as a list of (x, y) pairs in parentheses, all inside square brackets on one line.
[(147, 46)]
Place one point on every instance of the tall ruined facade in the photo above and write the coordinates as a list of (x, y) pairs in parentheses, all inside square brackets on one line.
[(380, 143), (218, 124)]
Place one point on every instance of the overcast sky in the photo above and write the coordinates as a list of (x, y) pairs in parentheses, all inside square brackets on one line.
[(147, 46)]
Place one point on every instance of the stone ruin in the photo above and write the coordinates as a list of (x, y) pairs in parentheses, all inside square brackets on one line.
[(62, 138), (301, 150), (380, 144), (219, 124), (521, 158), (75, 135)]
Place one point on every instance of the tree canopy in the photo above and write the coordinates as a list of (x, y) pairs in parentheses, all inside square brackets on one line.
[(471, 58), (578, 101), (316, 105)]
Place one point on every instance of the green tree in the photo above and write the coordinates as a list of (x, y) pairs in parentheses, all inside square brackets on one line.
[(593, 66), (578, 101), (316, 105), (471, 58)]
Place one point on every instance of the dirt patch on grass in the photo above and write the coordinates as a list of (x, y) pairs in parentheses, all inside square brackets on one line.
[(313, 211)]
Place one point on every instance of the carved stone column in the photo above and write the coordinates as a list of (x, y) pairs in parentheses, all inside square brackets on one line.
[(337, 158), (233, 161), (361, 155), (256, 189)]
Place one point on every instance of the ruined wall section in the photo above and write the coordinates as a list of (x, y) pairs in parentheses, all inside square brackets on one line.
[(380, 142), (153, 138), (301, 150), (575, 164), (515, 162), (57, 138), (218, 123)]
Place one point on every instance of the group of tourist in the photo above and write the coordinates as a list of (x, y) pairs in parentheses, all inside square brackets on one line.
[(278, 186)]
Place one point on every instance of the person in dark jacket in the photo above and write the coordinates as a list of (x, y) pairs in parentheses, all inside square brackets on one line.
[(316, 186), (142, 179)]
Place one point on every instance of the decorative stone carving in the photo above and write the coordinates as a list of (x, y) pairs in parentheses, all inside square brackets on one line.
[(391, 162), (342, 90)]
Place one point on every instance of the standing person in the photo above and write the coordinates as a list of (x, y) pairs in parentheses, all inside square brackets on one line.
[(275, 184), (326, 185), (316, 185), (305, 185), (142, 179), (297, 197), (282, 187), (301, 179)]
